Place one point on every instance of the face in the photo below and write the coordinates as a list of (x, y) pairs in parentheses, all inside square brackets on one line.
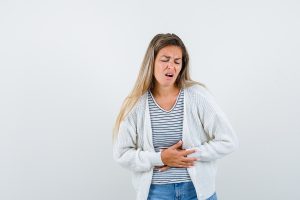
[(167, 65)]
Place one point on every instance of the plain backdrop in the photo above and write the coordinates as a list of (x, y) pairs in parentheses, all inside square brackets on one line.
[(66, 67)]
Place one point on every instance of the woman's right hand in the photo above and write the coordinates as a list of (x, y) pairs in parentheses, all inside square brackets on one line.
[(175, 156)]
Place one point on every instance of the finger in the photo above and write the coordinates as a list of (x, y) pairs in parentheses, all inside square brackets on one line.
[(189, 163), (189, 159), (184, 166), (177, 145), (158, 167), (165, 168), (187, 152)]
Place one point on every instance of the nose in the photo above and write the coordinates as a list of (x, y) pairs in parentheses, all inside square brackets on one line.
[(170, 64)]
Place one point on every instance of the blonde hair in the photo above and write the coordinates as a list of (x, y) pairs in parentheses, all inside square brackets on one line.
[(145, 79)]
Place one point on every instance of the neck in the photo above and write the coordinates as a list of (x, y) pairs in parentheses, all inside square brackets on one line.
[(164, 91)]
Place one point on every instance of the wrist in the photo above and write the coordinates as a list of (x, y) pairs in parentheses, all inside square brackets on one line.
[(162, 155)]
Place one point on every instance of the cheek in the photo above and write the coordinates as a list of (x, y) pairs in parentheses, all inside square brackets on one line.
[(156, 74), (158, 69), (178, 70)]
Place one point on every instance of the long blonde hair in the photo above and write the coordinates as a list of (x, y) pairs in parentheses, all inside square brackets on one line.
[(145, 79)]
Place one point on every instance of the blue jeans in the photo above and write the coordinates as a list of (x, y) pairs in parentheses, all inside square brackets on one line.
[(175, 191)]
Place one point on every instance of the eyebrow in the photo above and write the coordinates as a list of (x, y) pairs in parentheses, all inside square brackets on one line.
[(170, 57)]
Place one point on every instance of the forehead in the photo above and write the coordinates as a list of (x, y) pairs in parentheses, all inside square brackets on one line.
[(172, 51)]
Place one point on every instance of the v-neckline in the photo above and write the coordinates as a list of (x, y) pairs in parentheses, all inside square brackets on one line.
[(167, 111)]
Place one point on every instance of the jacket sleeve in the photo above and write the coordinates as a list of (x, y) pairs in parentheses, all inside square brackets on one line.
[(127, 153), (222, 139)]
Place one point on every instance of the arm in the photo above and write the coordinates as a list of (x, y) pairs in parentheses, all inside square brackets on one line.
[(126, 152), (222, 137)]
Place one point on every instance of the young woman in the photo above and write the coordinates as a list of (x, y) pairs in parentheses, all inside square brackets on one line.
[(170, 131)]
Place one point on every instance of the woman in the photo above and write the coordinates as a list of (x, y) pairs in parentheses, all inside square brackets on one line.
[(170, 131)]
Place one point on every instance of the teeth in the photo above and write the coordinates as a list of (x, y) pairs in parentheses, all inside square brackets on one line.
[(169, 75)]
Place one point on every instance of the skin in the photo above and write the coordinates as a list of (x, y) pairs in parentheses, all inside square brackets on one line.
[(169, 60)]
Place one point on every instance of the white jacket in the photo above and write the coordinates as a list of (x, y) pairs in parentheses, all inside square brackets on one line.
[(205, 128)]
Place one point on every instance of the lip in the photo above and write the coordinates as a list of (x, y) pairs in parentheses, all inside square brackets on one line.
[(169, 78), (169, 73)]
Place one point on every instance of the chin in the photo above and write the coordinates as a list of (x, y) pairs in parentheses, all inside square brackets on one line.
[(167, 84)]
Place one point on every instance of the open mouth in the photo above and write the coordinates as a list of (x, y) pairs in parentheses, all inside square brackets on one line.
[(169, 74)]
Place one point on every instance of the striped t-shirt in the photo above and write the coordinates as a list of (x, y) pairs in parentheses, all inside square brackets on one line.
[(167, 131)]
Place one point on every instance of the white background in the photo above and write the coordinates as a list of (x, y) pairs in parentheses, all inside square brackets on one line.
[(66, 67)]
